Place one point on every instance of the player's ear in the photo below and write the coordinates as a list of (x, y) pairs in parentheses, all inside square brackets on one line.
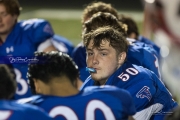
[(36, 84), (121, 58)]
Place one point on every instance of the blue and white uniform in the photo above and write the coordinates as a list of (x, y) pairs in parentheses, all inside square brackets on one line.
[(93, 103), (144, 86), (13, 111)]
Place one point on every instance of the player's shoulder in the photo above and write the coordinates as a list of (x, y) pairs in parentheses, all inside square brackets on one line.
[(18, 107), (133, 71), (130, 67), (32, 21), (32, 100), (106, 89), (31, 24), (79, 51), (145, 40), (79, 47), (11, 110), (62, 44), (62, 39)]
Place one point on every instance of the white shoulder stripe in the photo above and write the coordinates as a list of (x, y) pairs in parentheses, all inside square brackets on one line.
[(44, 45), (148, 112)]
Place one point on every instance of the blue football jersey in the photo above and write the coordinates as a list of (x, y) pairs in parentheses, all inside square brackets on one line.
[(144, 86), (79, 57), (151, 43), (93, 103), (137, 54), (24, 40), (13, 111), (143, 56), (62, 44)]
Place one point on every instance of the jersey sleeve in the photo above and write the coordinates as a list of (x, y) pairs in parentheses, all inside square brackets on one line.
[(151, 62), (62, 44), (42, 32), (39, 30), (142, 94)]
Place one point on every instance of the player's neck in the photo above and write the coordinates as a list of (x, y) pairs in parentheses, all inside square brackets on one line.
[(102, 82), (63, 89), (3, 37)]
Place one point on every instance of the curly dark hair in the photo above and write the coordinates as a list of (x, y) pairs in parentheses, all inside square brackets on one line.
[(12, 6), (102, 19), (131, 25), (95, 7), (116, 39), (7, 82), (52, 64)]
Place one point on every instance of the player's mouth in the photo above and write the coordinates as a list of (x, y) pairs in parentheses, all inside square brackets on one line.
[(90, 69)]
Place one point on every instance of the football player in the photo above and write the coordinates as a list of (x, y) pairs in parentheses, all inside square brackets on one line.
[(55, 78), (138, 54), (20, 39), (10, 110), (106, 56)]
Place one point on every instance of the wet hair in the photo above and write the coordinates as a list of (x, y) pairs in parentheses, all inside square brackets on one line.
[(102, 19), (51, 64), (12, 6), (95, 7), (131, 25), (116, 39), (7, 82)]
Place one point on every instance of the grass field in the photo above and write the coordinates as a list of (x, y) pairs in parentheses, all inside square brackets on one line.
[(67, 23)]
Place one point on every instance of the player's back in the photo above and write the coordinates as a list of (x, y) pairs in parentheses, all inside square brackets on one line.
[(13, 111), (94, 103)]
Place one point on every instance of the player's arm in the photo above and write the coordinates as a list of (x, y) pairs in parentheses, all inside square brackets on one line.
[(151, 62), (143, 94), (41, 34)]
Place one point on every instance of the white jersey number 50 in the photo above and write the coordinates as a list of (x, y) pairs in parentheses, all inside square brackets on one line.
[(125, 77)]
